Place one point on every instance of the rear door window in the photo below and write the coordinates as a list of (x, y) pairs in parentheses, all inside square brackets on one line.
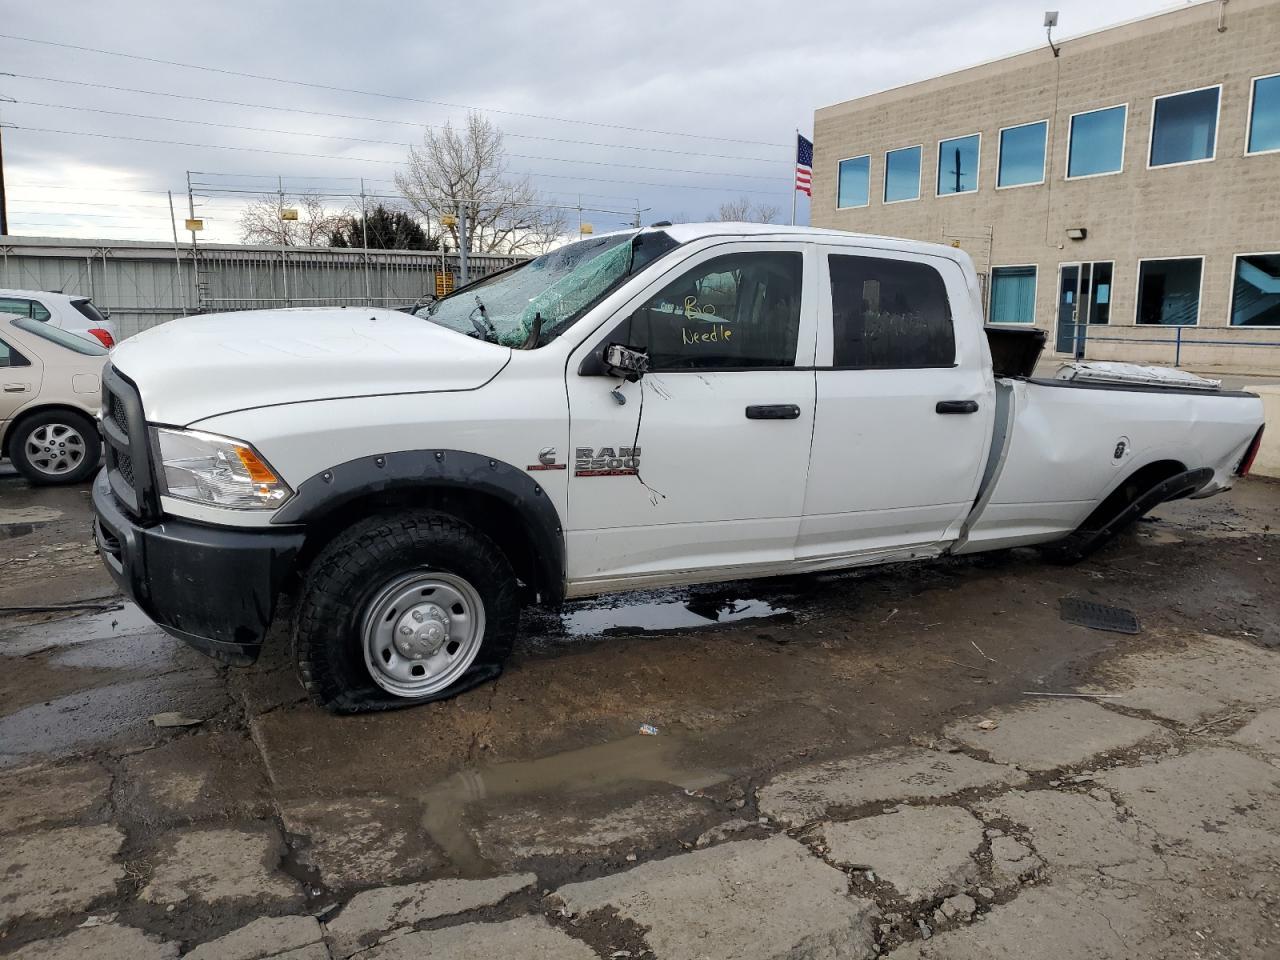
[(10, 357), (24, 308), (738, 311), (889, 314)]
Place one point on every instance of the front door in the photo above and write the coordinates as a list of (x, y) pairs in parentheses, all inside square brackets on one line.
[(1084, 298), (905, 408), (699, 468)]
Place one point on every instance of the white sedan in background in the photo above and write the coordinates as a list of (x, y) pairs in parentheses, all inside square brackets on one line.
[(50, 393)]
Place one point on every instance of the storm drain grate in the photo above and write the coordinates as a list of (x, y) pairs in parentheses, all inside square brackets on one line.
[(1098, 616)]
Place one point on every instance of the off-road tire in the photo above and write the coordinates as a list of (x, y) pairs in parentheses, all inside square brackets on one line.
[(87, 429), (348, 572)]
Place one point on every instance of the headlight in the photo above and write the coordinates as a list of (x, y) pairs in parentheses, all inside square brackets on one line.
[(217, 470)]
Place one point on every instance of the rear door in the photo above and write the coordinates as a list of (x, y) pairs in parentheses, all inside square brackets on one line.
[(20, 378), (905, 405), (701, 465)]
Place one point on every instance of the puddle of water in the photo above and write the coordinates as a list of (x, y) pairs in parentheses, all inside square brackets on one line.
[(657, 615), (595, 769), (72, 631)]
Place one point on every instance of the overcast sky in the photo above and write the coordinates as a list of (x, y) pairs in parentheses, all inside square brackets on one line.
[(710, 90)]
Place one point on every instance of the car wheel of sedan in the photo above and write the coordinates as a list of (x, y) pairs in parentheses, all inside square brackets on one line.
[(60, 446), (401, 610)]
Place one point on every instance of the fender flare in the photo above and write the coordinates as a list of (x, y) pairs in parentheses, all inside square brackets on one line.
[(330, 489)]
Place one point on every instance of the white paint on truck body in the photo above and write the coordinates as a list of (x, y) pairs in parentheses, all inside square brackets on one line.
[(867, 470)]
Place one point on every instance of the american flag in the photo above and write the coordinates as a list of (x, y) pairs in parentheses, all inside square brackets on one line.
[(804, 166)]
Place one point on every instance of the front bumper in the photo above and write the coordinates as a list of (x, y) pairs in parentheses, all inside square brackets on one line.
[(213, 587)]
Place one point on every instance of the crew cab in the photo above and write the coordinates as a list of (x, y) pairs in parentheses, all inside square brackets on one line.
[(669, 405)]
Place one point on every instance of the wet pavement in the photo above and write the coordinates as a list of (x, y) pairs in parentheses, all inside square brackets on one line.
[(845, 765)]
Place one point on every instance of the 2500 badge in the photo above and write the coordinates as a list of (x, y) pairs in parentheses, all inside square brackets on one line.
[(606, 462)]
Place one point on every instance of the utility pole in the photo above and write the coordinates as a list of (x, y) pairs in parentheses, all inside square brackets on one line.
[(463, 243), (364, 233), (177, 256), (4, 206)]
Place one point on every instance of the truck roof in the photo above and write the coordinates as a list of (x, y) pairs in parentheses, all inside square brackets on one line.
[(685, 232)]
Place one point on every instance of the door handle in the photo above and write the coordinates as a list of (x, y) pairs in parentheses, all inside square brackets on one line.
[(16, 387), (773, 411), (957, 406)]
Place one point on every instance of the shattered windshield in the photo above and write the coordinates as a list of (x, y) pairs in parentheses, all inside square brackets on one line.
[(556, 287)]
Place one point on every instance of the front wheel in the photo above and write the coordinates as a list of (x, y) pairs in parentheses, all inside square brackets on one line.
[(404, 609), (55, 447)]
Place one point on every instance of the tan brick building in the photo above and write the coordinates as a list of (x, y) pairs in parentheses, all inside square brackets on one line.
[(1127, 189)]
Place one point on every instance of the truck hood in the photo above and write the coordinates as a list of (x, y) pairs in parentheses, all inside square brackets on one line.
[(198, 367)]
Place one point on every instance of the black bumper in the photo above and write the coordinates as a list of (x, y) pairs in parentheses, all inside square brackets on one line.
[(213, 587)]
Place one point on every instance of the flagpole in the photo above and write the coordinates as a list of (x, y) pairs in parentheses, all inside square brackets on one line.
[(794, 191)]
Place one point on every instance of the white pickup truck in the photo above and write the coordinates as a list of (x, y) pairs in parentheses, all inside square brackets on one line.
[(671, 405)]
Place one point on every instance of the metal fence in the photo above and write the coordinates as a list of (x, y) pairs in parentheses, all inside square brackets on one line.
[(1172, 345), (142, 284)]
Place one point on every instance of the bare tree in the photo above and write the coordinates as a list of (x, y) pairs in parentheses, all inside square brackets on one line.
[(262, 221), (744, 211), (455, 169)]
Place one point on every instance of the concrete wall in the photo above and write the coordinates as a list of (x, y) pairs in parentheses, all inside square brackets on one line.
[(1214, 209)]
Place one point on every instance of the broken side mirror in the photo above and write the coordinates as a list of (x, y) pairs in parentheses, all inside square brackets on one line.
[(629, 363)]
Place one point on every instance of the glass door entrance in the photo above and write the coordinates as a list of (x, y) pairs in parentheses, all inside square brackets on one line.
[(1084, 298)]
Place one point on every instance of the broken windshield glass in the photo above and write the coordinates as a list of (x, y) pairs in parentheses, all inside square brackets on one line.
[(558, 287)]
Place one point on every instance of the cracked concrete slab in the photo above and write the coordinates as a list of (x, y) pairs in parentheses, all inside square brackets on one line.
[(47, 795), (357, 840), (1078, 833), (1203, 679), (107, 942), (212, 866), (923, 852), (58, 871), (526, 938), (899, 773), (1262, 732), (568, 828), (264, 937), (753, 898), (1047, 734), (209, 775), (1065, 922), (1012, 861), (1215, 801), (370, 915)]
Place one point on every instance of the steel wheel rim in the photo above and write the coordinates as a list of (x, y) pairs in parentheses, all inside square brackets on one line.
[(422, 632), (55, 449)]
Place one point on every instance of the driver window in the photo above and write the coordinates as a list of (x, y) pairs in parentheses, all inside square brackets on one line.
[(738, 310)]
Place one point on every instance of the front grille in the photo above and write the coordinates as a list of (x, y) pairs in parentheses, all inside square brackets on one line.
[(125, 431)]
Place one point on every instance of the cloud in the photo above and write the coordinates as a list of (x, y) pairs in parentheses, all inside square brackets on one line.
[(716, 71)]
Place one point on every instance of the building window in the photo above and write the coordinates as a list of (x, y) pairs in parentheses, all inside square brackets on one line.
[(958, 165), (1255, 294), (1022, 155), (1096, 142), (1264, 115), (1169, 291), (1184, 127), (1013, 295), (902, 175), (889, 314), (855, 182)]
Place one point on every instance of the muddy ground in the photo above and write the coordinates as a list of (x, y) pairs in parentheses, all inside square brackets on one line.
[(812, 734)]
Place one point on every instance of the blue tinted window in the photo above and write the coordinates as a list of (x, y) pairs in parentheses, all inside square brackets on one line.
[(1022, 154), (1013, 295), (902, 174), (1264, 121), (855, 182), (1169, 292), (1097, 142), (1255, 296), (958, 165), (1183, 127)]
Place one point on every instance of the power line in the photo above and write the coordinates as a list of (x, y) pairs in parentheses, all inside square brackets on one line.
[(388, 143), (375, 93), (406, 123), (398, 163)]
